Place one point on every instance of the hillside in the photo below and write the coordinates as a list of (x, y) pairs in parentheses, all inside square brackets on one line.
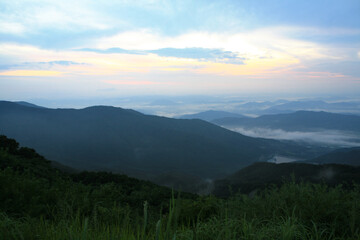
[(25, 175), (349, 156), (41, 202), (126, 141), (298, 121), (28, 104), (261, 175)]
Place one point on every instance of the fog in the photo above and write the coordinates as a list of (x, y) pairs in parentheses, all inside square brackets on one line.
[(331, 137)]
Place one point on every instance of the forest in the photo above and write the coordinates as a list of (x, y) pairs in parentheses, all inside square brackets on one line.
[(41, 201)]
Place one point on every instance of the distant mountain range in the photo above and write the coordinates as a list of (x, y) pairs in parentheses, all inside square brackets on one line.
[(298, 121), (315, 105), (126, 141), (284, 106), (211, 115)]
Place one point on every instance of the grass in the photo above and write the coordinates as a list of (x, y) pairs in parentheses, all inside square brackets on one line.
[(293, 211)]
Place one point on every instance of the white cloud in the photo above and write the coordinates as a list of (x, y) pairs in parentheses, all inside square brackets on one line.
[(262, 43), (36, 16), (336, 138)]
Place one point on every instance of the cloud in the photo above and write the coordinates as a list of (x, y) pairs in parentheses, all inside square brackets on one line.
[(55, 24), (336, 138), (112, 50), (192, 60), (263, 51), (35, 16), (12, 28), (38, 65), (59, 62), (202, 54), (264, 43), (203, 46)]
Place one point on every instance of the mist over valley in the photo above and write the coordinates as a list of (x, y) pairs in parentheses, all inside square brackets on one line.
[(187, 152)]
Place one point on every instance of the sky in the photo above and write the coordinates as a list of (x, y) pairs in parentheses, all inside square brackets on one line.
[(87, 49)]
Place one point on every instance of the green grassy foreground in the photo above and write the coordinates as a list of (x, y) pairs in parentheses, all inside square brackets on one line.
[(40, 202)]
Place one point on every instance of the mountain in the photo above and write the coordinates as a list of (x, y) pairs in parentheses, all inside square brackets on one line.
[(257, 105), (211, 115), (27, 104), (126, 141), (298, 121), (261, 175), (315, 105), (301, 105), (349, 156), (283, 106)]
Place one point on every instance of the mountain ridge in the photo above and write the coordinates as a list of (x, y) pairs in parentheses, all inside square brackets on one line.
[(211, 115), (297, 121), (125, 141)]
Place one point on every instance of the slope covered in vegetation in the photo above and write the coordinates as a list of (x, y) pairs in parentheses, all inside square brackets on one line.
[(349, 156), (264, 174), (40, 202)]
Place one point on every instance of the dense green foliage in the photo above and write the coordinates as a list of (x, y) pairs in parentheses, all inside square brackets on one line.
[(349, 156), (26, 175), (40, 202), (263, 174)]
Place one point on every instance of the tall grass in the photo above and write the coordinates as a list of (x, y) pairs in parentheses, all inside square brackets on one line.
[(293, 211)]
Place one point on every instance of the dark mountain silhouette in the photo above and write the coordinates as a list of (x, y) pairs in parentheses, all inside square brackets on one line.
[(349, 156), (261, 175), (126, 141), (27, 104), (211, 115), (298, 121)]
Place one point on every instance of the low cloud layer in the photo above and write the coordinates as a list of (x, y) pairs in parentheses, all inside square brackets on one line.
[(336, 138)]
